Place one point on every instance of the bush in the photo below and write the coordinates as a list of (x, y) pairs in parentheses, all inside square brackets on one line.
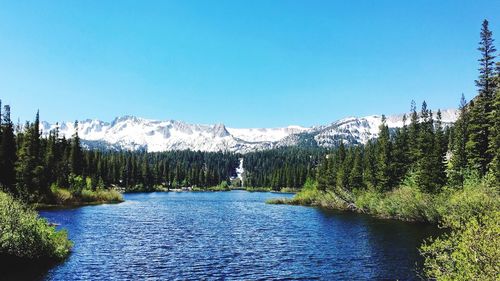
[(408, 203), (471, 252), (90, 196), (24, 235), (63, 196), (457, 206)]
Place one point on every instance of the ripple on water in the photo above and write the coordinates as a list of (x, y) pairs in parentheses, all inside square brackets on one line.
[(234, 236)]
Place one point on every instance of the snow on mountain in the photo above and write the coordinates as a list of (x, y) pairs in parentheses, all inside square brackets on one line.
[(133, 133), (266, 134)]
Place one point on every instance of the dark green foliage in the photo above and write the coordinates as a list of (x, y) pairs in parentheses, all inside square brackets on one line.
[(29, 167), (283, 167), (31, 164), (76, 153), (8, 155), (383, 164), (26, 236), (356, 173), (481, 121), (413, 134), (459, 139), (401, 153), (486, 82), (384, 158), (494, 145)]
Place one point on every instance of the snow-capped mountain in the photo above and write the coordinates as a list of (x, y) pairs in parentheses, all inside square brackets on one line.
[(133, 133)]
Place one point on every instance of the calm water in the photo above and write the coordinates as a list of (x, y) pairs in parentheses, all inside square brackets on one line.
[(233, 236)]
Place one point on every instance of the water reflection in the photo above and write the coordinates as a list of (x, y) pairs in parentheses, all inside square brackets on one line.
[(232, 235)]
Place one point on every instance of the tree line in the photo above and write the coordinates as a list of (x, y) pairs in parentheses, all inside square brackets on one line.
[(423, 150), (31, 165), (282, 167)]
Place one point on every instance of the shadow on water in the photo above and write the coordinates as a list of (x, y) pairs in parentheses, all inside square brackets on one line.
[(16, 269), (388, 241)]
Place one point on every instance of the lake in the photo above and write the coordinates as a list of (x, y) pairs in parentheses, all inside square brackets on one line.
[(232, 236)]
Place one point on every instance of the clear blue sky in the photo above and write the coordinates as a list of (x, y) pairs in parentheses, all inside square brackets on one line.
[(244, 63)]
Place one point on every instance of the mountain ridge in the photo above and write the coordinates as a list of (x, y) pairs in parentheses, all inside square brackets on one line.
[(135, 133)]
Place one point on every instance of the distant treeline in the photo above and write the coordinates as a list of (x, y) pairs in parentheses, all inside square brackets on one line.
[(283, 167), (31, 166)]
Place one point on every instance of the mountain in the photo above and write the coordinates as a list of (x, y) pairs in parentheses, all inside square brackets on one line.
[(134, 133)]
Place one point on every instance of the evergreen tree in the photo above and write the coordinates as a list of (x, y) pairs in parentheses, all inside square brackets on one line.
[(76, 153), (413, 133), (370, 166), (426, 163), (458, 162), (401, 152), (439, 153), (494, 142), (384, 157), (8, 155), (480, 113), (28, 167), (356, 173), (487, 81)]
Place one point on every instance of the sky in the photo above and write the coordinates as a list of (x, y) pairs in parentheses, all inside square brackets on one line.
[(255, 63)]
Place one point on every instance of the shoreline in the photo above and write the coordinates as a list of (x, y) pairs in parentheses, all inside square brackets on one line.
[(354, 210), (43, 206), (283, 191)]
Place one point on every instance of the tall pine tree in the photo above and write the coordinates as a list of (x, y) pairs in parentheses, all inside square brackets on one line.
[(384, 157), (8, 155), (458, 162), (76, 155), (480, 113)]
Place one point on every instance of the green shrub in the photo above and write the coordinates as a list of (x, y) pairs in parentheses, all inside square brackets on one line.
[(89, 196), (60, 195), (367, 200), (457, 206), (24, 235), (471, 252), (64, 196), (408, 203)]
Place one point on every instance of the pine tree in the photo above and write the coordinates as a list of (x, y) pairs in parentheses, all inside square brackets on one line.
[(384, 157), (370, 166), (356, 174), (458, 162), (322, 175), (494, 142), (146, 172), (342, 167), (426, 163), (439, 153), (486, 82), (401, 153), (29, 169), (480, 113), (413, 132), (8, 155), (76, 153)]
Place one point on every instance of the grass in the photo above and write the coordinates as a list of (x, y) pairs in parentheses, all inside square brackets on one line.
[(24, 236), (65, 197), (407, 203)]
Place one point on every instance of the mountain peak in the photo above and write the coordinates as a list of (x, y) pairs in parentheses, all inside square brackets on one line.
[(132, 133), (220, 131)]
